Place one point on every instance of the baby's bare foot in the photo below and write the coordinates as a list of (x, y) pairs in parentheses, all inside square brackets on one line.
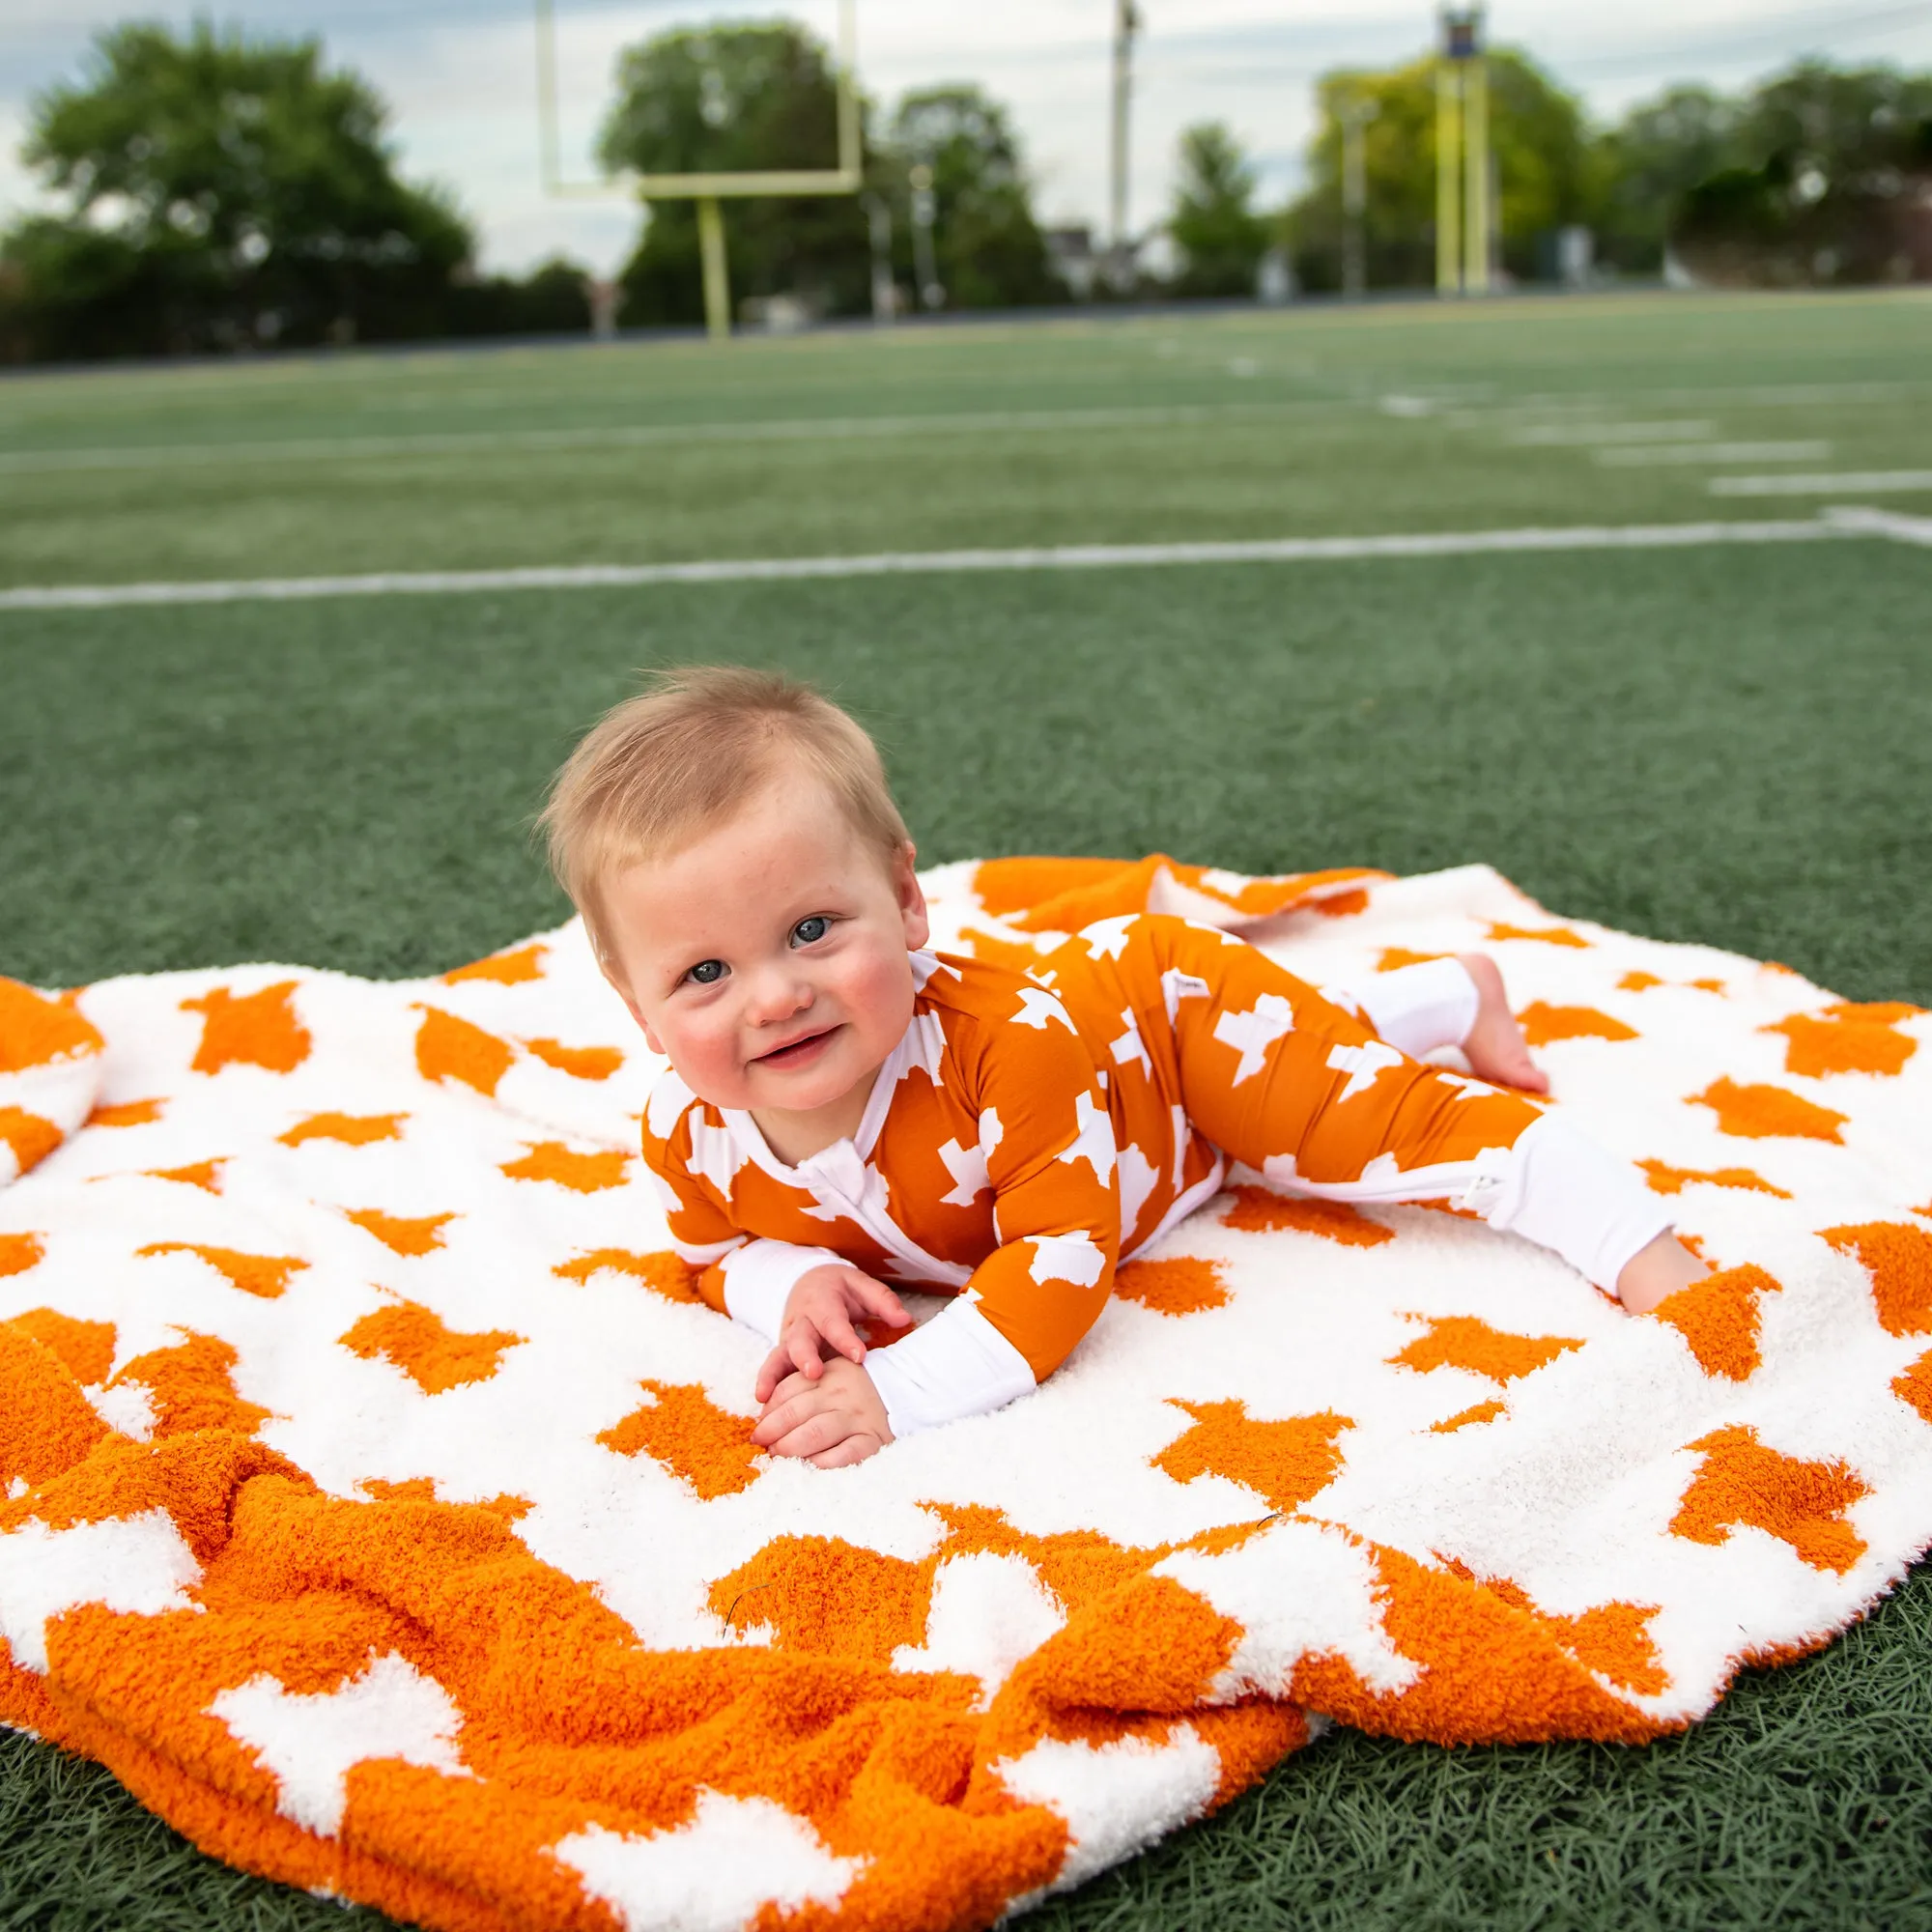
[(1494, 1048), (1656, 1273)]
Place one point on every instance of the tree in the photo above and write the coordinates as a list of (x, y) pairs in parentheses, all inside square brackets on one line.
[(1645, 166), (1220, 237), (1834, 187), (1820, 174), (1537, 136), (991, 251), (734, 99), (220, 191), (552, 300)]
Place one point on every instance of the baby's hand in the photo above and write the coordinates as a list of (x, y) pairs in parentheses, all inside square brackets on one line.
[(817, 1322), (831, 1419)]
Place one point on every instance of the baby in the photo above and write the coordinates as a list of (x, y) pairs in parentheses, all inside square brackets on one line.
[(844, 1106)]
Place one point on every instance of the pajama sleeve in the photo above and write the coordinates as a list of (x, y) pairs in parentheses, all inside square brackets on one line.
[(749, 1278), (1050, 1160)]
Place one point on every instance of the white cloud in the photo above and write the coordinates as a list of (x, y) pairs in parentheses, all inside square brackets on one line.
[(461, 77)]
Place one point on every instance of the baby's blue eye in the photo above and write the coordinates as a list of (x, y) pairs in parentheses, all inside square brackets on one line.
[(810, 931), (707, 972)]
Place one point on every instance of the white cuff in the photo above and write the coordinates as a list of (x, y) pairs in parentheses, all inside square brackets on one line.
[(1558, 1188), (957, 1364), (1417, 1008), (760, 1276)]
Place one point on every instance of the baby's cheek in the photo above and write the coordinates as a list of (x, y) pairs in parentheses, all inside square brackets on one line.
[(706, 1064), (881, 995)]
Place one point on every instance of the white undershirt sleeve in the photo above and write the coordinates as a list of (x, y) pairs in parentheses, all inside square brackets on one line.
[(1418, 1009), (759, 1277), (1558, 1188), (955, 1365)]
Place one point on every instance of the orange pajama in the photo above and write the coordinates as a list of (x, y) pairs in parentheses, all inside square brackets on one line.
[(1031, 1130)]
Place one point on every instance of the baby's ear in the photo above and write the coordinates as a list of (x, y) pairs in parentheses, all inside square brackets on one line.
[(911, 895)]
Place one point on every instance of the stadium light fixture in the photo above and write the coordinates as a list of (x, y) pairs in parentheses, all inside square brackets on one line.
[(707, 190)]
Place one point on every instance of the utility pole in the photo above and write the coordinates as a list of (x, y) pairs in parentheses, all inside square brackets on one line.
[(1126, 24), (1355, 114)]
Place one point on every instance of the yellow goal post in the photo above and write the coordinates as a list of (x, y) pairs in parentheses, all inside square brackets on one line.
[(707, 190)]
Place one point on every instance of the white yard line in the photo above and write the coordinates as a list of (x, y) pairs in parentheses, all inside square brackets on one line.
[(1831, 525), (1565, 434), (1651, 456), (1885, 524), (1852, 483), (463, 442), (1719, 396)]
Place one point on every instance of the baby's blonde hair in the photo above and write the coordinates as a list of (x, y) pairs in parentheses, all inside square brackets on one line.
[(694, 746)]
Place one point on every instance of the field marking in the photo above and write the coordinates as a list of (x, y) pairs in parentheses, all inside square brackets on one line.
[(1562, 435), (803, 429), (1831, 524), (1853, 483), (1662, 455), (1885, 524)]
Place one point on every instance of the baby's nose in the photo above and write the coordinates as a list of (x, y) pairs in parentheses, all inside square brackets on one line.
[(777, 997)]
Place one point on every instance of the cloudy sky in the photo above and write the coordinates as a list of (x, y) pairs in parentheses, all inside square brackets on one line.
[(459, 75)]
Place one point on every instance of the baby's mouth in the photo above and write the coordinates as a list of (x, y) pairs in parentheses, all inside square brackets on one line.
[(795, 1053)]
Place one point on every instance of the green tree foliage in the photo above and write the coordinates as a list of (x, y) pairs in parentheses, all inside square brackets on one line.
[(1536, 134), (1220, 237), (1647, 164), (1828, 180), (991, 251), (220, 191), (735, 99)]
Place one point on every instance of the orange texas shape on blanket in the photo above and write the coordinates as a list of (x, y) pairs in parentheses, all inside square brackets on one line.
[(49, 1065), (35, 1031)]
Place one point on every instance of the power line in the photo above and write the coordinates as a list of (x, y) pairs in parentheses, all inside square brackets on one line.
[(1794, 27), (1784, 31)]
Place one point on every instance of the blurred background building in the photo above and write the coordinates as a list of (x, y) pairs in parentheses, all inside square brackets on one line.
[(325, 171)]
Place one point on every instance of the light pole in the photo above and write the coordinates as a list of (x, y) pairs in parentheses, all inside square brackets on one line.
[(925, 263), (1356, 112), (1126, 24), (1465, 198)]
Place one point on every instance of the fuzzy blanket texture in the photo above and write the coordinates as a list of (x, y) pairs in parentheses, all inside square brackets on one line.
[(376, 1497)]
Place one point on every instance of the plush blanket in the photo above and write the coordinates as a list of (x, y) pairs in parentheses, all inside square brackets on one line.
[(376, 1497)]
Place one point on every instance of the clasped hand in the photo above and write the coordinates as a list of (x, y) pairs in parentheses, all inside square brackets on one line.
[(818, 1402)]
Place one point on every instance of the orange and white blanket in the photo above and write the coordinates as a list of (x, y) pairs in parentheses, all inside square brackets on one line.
[(375, 1498)]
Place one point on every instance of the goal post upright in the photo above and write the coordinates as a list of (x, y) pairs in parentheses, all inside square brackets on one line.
[(1476, 171), (1448, 178), (708, 189)]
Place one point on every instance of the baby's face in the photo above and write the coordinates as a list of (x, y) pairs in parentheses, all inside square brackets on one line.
[(768, 960)]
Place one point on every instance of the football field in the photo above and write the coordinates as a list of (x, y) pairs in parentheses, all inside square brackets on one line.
[(1630, 597)]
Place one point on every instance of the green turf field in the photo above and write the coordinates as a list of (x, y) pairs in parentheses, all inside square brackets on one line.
[(1718, 743)]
